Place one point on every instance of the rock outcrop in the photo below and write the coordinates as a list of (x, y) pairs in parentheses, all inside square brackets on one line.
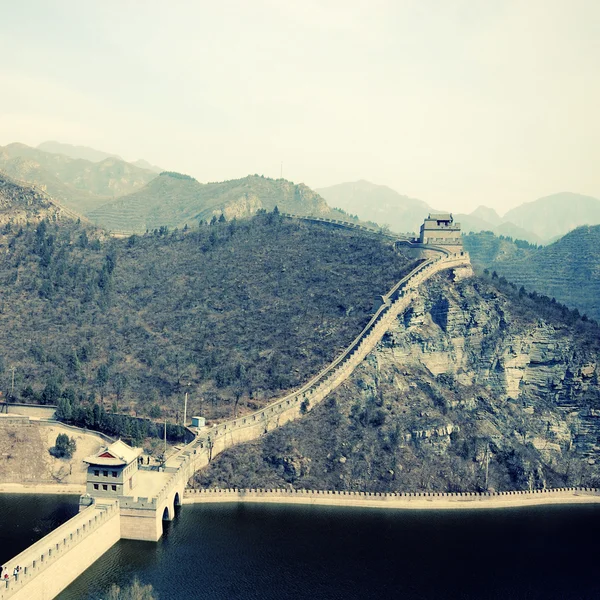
[(469, 390)]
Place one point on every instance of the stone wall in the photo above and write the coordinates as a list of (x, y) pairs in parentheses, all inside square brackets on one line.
[(55, 561), (396, 500), (33, 410)]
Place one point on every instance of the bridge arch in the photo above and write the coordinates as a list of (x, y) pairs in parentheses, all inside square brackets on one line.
[(166, 514), (176, 499)]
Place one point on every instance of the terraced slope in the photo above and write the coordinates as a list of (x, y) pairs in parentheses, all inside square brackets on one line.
[(174, 200), (568, 270), (487, 250)]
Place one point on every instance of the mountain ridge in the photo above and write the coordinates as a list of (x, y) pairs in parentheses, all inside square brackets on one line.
[(175, 200)]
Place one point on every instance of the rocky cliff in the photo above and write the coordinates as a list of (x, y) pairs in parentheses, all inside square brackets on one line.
[(20, 204), (469, 390)]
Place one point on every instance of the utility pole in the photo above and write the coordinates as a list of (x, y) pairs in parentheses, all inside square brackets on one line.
[(185, 405), (165, 452), (12, 391), (487, 465), (185, 409)]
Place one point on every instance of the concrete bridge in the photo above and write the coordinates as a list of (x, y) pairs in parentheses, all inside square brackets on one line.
[(139, 514)]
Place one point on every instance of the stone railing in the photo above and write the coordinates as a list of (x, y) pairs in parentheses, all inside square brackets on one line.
[(345, 224), (44, 553)]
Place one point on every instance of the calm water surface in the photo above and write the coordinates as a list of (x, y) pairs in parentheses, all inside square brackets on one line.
[(280, 552), (25, 518)]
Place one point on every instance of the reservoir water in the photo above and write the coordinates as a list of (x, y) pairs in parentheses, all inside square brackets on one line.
[(230, 552)]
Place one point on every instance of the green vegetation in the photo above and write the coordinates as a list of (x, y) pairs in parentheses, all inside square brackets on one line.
[(487, 249), (134, 430), (176, 201), (176, 175), (64, 447), (241, 310)]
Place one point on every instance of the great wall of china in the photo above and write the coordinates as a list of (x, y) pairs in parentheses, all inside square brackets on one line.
[(70, 549)]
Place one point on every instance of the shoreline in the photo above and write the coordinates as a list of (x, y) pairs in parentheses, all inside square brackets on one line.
[(395, 502), (43, 488)]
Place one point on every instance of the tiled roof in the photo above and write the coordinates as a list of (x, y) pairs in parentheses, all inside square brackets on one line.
[(118, 453)]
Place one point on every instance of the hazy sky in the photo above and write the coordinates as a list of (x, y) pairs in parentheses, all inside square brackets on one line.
[(455, 102)]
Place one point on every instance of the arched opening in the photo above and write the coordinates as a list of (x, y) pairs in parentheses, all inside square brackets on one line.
[(176, 500), (166, 516)]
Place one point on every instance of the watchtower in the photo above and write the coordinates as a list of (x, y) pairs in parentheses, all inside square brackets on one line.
[(440, 229), (113, 470)]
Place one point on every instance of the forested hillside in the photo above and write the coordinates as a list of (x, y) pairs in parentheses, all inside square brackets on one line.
[(177, 200), (239, 310)]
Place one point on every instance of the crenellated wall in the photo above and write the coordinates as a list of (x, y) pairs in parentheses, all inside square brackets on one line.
[(408, 500)]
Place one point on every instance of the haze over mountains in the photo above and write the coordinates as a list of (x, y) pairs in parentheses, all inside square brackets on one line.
[(539, 222), (377, 203), (119, 195), (91, 154), (77, 183)]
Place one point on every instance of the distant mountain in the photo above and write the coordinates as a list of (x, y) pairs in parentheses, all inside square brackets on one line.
[(475, 223), (83, 152), (556, 215), (77, 183), (487, 214), (568, 270), (175, 200), (144, 164), (21, 204), (377, 203), (91, 154)]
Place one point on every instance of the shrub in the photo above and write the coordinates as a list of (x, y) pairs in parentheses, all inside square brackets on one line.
[(64, 447)]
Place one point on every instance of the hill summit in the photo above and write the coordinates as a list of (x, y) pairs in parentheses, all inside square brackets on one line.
[(174, 200)]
